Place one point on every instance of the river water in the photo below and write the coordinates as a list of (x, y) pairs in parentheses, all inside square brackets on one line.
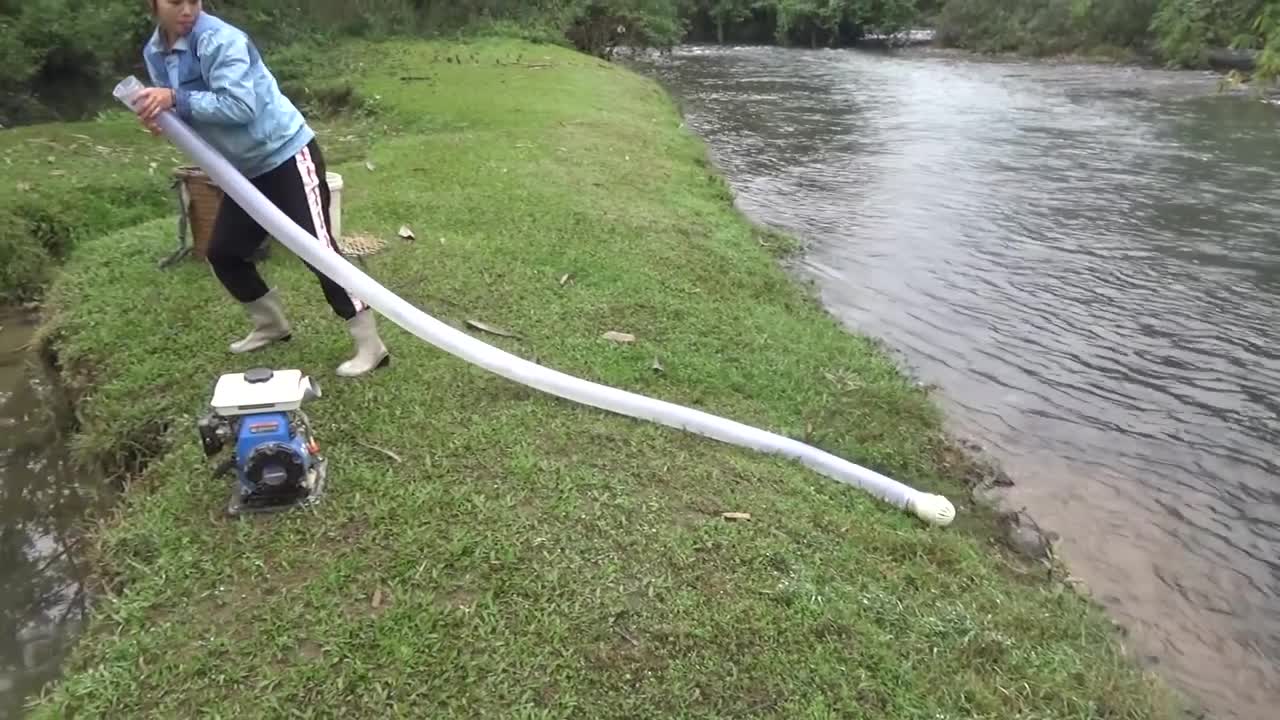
[(1086, 261), (42, 498)]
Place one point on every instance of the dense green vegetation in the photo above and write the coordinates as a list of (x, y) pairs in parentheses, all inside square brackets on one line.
[(796, 22), (60, 55), (487, 550), (1179, 32)]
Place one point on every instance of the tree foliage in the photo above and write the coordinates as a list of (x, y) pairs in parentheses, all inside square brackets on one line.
[(1266, 36), (1188, 33), (52, 50), (797, 22), (55, 51), (59, 55), (1186, 30)]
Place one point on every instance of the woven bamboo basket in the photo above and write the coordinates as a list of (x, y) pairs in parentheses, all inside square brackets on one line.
[(201, 197)]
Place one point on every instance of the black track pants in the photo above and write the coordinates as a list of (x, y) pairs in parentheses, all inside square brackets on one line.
[(299, 188)]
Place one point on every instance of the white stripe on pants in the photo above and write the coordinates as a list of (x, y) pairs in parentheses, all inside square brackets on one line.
[(311, 181)]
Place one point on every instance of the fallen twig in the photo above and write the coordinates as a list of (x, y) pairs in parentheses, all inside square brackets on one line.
[(384, 451), (527, 65), (626, 636), (491, 329)]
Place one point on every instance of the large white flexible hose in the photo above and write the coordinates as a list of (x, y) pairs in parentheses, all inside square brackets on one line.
[(934, 509)]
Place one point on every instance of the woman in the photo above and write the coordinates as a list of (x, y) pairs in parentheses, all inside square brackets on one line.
[(210, 73)]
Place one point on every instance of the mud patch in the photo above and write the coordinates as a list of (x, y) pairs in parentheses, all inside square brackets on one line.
[(310, 651), (463, 600)]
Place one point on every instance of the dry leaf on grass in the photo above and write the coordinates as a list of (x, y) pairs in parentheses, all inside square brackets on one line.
[(736, 516), (491, 329), (619, 337), (370, 166), (382, 450), (566, 279), (407, 233), (657, 366)]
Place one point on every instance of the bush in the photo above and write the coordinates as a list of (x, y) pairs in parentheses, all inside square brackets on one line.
[(1181, 32), (53, 48), (599, 27), (1267, 38), (23, 264), (1187, 29)]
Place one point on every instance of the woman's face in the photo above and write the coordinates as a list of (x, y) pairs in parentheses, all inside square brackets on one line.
[(176, 17)]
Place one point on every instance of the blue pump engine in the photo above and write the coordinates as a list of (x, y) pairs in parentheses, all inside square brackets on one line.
[(276, 459)]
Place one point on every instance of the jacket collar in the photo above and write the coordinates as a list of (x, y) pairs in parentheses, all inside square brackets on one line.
[(157, 45)]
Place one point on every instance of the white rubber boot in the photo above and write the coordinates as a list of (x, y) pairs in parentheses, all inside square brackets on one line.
[(371, 354), (269, 324)]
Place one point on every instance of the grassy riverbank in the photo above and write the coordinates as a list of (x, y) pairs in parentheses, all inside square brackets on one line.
[(522, 556)]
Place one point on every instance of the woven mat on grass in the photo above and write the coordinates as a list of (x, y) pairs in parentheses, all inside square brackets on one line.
[(360, 245)]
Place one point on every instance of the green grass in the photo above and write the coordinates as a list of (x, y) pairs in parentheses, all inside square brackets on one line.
[(530, 557)]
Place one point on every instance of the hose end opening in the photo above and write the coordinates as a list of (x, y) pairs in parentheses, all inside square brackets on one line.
[(933, 509)]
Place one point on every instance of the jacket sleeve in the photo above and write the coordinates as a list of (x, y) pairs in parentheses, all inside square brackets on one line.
[(224, 60)]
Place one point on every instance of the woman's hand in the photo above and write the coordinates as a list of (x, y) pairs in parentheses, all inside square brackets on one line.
[(150, 103)]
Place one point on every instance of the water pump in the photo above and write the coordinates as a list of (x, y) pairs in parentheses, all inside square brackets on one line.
[(275, 457)]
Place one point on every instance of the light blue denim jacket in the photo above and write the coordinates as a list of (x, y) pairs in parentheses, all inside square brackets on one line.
[(227, 95)]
